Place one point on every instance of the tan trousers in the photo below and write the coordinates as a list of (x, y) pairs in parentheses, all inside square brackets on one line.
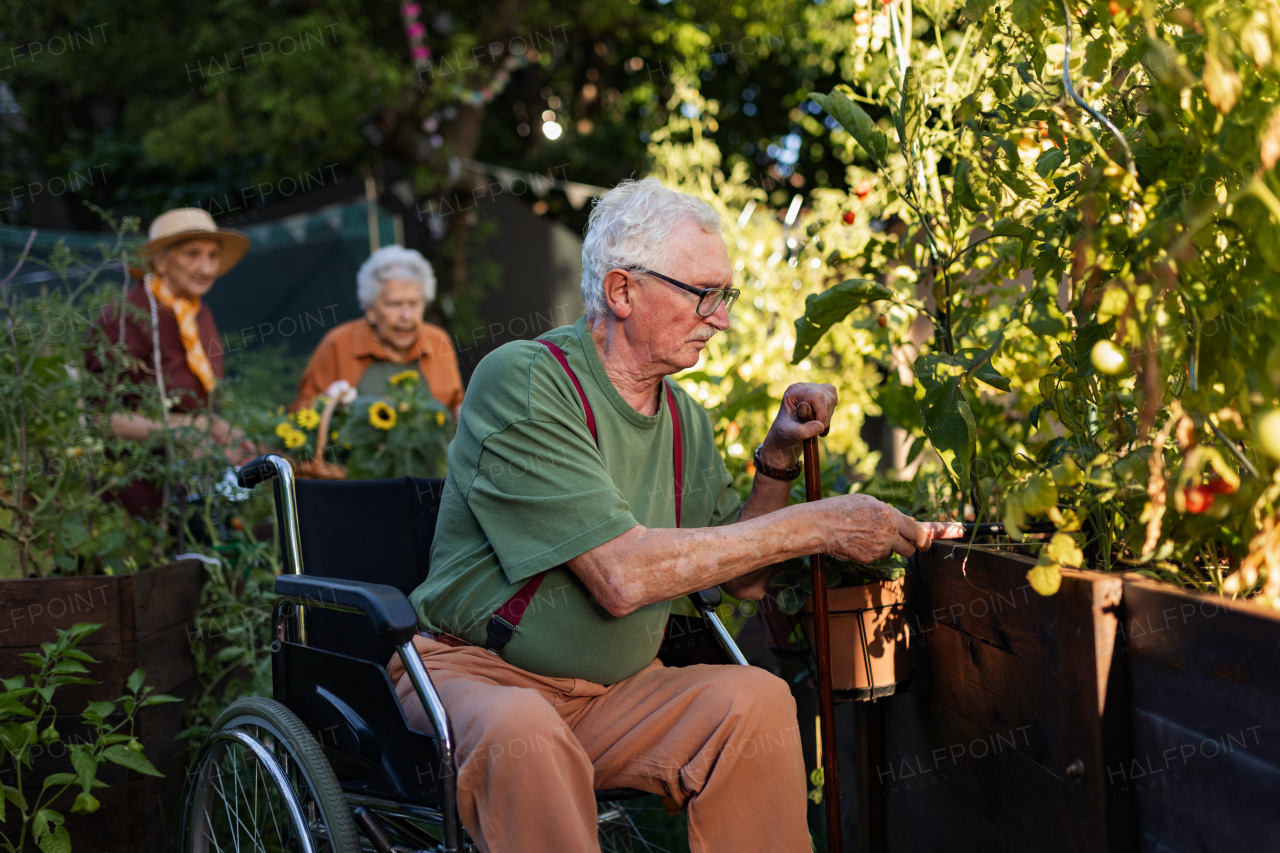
[(531, 750)]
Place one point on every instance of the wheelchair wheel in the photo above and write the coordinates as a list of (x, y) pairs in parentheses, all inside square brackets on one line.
[(641, 825), (261, 783)]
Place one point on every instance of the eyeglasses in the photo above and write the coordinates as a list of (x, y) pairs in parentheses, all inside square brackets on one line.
[(709, 298)]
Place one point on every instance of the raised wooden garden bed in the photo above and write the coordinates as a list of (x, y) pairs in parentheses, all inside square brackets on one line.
[(1117, 715), (148, 621)]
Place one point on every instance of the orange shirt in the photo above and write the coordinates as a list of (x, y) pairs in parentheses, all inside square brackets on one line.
[(348, 350)]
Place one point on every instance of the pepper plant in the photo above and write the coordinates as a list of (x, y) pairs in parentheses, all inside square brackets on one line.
[(29, 721), (1074, 242)]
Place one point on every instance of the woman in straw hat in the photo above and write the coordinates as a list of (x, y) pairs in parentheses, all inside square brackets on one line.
[(177, 343)]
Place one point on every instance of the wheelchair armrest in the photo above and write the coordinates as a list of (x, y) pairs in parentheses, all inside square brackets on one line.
[(387, 607)]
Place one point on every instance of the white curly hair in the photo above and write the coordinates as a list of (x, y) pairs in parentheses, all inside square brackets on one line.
[(630, 226), (393, 262)]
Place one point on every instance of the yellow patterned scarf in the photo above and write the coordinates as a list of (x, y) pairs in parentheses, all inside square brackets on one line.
[(186, 310)]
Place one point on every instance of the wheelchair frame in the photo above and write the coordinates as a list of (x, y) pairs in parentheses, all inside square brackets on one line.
[(395, 621)]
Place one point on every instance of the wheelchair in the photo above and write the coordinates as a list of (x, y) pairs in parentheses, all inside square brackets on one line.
[(329, 764)]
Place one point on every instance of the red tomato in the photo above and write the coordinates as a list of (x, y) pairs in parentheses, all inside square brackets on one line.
[(863, 189), (849, 216), (882, 321), (1218, 486), (1113, 7), (861, 16), (1198, 499)]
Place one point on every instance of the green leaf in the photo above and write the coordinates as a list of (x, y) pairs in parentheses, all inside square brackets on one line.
[(73, 534), (1045, 578), (16, 737), (1049, 160), (855, 120), (126, 757), (159, 699), (963, 188), (824, 310), (81, 630), (14, 683), (985, 372), (1039, 495), (58, 779), (912, 108), (135, 680), (1006, 227), (947, 415), (67, 667), (976, 10), (1043, 316), (86, 766), (110, 541), (55, 839), (96, 712), (1097, 57), (1063, 551), (64, 562)]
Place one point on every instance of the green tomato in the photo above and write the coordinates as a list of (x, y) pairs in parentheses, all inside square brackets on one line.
[(1108, 359), (1269, 432)]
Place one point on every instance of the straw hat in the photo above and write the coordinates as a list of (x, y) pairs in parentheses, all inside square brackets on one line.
[(184, 223)]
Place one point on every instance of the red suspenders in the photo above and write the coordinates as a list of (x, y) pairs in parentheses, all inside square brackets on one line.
[(503, 624)]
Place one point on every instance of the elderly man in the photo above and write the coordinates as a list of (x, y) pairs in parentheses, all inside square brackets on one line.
[(585, 493), (185, 253)]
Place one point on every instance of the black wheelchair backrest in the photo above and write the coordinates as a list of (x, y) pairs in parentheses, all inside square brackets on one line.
[(376, 531)]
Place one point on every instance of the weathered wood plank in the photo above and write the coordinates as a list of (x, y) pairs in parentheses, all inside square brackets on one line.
[(1199, 793), (33, 610), (1000, 692), (958, 786), (167, 596), (986, 594), (1094, 711), (1204, 663)]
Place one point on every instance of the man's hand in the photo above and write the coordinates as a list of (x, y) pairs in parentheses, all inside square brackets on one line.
[(862, 529), (782, 446)]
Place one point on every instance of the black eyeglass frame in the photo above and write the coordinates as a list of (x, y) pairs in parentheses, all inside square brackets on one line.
[(728, 295)]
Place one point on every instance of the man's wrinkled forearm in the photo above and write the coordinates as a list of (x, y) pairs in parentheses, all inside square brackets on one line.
[(680, 561)]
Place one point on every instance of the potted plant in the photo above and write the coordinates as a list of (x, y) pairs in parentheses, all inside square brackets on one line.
[(404, 432)]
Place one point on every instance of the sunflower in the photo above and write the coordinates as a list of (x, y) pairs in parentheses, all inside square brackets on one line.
[(440, 418), (408, 377), (308, 419), (382, 416), (284, 428), (295, 438)]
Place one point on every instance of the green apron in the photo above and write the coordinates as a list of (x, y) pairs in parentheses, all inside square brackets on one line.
[(379, 372)]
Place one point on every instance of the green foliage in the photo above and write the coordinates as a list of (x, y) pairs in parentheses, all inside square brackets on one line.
[(232, 640), (28, 719), (59, 456), (405, 433), (1050, 256)]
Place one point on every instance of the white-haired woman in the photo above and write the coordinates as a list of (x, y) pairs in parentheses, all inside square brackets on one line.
[(394, 286)]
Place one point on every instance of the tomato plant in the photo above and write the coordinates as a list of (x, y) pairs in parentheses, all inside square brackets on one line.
[(1080, 234)]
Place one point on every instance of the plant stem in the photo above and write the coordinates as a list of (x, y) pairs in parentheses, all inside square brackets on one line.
[(22, 405)]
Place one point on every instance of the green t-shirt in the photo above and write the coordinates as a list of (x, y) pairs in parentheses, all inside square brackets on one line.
[(528, 490)]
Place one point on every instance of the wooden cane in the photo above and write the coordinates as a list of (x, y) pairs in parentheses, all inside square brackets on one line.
[(822, 646)]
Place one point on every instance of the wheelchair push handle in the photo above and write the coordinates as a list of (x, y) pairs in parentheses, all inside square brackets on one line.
[(257, 470)]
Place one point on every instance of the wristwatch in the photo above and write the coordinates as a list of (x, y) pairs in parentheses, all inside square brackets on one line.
[(776, 473)]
